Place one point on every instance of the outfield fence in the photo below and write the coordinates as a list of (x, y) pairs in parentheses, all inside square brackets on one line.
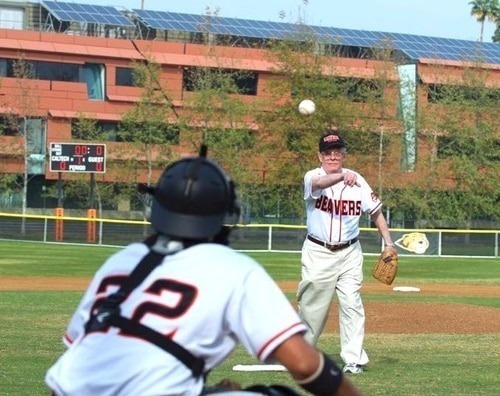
[(246, 237)]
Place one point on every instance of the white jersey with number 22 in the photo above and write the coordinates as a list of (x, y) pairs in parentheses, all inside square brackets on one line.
[(206, 298)]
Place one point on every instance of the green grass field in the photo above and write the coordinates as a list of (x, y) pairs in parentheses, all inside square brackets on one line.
[(401, 364)]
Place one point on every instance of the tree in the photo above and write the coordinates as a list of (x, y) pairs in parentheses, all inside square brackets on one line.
[(461, 128), (24, 120), (217, 115), (212, 114), (215, 111), (496, 34), (146, 127), (364, 110), (9, 182), (484, 10), (8, 186), (309, 67)]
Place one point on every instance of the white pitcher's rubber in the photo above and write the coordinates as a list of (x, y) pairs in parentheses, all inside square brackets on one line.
[(406, 289)]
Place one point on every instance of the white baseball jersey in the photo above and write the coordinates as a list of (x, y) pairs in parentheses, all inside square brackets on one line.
[(333, 213), (207, 298)]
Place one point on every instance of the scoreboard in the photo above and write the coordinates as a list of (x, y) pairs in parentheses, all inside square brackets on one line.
[(78, 157)]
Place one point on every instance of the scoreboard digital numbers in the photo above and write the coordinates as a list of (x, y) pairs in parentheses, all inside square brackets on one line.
[(78, 157)]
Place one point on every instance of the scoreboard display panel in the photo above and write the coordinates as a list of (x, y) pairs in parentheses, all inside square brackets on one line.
[(78, 157)]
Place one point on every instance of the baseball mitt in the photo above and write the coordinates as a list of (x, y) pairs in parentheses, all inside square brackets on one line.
[(386, 267)]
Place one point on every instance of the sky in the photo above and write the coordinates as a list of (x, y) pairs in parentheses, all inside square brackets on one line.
[(439, 18)]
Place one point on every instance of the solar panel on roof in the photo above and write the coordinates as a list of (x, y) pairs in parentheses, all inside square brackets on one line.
[(191, 18), (87, 13), (413, 46)]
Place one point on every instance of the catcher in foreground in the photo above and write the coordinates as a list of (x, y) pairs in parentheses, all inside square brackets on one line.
[(386, 266)]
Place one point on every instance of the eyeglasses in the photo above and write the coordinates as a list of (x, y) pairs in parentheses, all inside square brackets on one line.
[(337, 154)]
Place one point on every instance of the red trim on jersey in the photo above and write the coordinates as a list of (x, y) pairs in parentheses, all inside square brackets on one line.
[(340, 216), (376, 208), (331, 218), (68, 339), (259, 353)]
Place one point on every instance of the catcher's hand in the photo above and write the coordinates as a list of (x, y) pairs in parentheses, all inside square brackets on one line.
[(386, 267)]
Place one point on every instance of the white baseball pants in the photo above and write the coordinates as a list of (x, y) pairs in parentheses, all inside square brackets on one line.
[(324, 273)]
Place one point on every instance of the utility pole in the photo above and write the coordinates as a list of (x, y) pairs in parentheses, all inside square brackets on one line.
[(142, 4)]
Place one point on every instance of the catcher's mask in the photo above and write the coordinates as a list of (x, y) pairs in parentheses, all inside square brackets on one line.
[(192, 199)]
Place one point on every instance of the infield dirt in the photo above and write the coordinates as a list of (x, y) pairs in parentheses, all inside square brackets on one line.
[(381, 317)]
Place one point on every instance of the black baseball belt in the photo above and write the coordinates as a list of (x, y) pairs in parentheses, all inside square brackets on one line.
[(333, 247)]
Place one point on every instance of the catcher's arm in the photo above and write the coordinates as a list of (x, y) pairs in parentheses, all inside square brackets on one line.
[(312, 370)]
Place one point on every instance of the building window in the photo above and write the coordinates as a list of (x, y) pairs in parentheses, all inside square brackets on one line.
[(354, 89), (94, 130), (56, 71), (449, 147), (362, 90), (227, 80), (440, 93), (53, 71), (11, 18), (40, 70), (124, 77), (163, 134), (239, 139), (247, 83), (99, 130), (3, 67), (9, 126), (93, 75)]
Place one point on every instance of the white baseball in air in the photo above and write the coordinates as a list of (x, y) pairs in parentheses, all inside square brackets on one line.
[(307, 107)]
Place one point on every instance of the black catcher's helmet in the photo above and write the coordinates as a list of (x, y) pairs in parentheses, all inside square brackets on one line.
[(192, 199)]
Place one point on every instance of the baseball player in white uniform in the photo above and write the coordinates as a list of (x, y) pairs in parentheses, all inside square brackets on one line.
[(332, 259), (159, 315)]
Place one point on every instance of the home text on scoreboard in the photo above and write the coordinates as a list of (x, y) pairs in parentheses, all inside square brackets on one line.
[(78, 157)]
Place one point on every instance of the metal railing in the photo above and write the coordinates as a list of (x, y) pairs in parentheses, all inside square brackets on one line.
[(247, 237)]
